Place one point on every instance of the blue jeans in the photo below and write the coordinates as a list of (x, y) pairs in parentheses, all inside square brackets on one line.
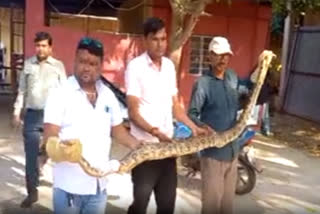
[(68, 203), (265, 126), (32, 132)]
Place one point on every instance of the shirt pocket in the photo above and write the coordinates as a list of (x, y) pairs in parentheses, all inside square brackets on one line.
[(104, 119)]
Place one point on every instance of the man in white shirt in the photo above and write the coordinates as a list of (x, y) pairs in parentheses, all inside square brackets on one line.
[(87, 110), (152, 100), (40, 74)]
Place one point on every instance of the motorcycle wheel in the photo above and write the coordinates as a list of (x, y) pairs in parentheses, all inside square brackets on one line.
[(246, 178)]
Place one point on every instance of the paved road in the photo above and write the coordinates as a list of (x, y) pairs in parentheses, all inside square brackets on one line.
[(290, 182)]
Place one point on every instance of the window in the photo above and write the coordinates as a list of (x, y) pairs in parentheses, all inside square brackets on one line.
[(199, 54)]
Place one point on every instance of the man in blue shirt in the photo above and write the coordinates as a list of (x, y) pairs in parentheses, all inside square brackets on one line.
[(214, 104)]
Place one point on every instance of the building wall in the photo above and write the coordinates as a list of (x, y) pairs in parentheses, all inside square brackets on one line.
[(85, 23), (5, 31), (131, 21), (244, 23), (5, 34), (119, 48), (312, 18)]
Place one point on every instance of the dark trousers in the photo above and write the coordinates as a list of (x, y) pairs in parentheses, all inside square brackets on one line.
[(159, 176), (32, 132)]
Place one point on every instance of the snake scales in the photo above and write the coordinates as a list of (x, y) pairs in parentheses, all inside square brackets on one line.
[(155, 151)]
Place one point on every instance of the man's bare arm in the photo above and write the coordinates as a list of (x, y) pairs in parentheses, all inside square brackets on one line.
[(49, 130), (180, 115), (137, 119), (134, 115), (122, 135)]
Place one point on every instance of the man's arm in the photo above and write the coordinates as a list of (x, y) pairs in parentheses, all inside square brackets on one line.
[(198, 98), (122, 135), (49, 130), (137, 119), (18, 105), (196, 103), (62, 74), (180, 115)]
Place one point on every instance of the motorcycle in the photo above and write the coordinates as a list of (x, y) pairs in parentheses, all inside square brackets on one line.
[(247, 168)]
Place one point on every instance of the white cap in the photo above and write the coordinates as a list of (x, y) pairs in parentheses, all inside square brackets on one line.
[(220, 45)]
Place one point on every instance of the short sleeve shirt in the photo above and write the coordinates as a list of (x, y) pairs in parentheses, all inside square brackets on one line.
[(155, 90), (69, 108)]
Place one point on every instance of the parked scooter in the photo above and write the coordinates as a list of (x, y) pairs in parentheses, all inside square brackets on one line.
[(247, 164)]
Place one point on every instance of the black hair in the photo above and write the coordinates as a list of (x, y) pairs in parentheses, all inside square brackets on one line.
[(93, 46), (152, 25), (41, 36)]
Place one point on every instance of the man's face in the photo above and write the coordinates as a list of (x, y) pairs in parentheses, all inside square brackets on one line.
[(156, 43), (219, 62), (43, 49), (87, 67)]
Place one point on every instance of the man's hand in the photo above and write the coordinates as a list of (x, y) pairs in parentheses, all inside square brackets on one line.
[(70, 150), (197, 131), (16, 121), (209, 130), (161, 136)]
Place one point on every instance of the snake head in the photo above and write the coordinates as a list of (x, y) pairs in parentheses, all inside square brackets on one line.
[(267, 55)]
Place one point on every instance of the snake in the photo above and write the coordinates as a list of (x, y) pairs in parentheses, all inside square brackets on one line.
[(176, 148)]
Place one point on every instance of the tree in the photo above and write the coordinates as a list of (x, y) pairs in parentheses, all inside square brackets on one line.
[(185, 15), (298, 6)]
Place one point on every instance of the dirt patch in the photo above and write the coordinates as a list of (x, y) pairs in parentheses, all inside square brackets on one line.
[(296, 132)]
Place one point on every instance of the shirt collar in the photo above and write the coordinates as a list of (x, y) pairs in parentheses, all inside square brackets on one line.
[(49, 60), (209, 72), (76, 86), (150, 62)]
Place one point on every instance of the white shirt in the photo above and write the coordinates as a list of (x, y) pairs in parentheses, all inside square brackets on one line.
[(155, 90), (69, 108), (36, 80)]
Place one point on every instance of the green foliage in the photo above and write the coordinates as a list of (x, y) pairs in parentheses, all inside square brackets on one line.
[(298, 6)]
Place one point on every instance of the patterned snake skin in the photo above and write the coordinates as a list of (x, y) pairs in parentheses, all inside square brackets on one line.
[(155, 151)]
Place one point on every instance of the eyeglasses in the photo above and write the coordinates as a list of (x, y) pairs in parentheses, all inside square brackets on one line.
[(89, 41)]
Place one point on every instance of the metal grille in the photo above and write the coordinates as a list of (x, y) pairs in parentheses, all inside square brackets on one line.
[(199, 54)]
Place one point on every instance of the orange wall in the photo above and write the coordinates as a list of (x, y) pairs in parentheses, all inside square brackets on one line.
[(119, 49), (244, 23)]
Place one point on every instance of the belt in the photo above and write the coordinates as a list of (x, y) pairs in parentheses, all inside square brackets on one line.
[(34, 110)]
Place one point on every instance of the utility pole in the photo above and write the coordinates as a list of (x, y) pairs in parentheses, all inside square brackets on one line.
[(285, 53)]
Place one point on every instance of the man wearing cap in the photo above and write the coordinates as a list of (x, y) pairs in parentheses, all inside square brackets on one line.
[(214, 104)]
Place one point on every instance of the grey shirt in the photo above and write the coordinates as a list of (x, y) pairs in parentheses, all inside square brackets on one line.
[(36, 80), (214, 102)]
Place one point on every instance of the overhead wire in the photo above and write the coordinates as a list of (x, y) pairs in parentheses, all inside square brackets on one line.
[(105, 1), (80, 12)]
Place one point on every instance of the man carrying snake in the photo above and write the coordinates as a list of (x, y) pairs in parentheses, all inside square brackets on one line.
[(214, 103), (152, 100), (83, 111)]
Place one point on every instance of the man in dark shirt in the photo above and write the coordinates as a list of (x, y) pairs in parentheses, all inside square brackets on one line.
[(214, 104)]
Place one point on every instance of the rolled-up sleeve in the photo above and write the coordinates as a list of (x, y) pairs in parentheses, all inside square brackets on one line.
[(197, 100), (116, 115)]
